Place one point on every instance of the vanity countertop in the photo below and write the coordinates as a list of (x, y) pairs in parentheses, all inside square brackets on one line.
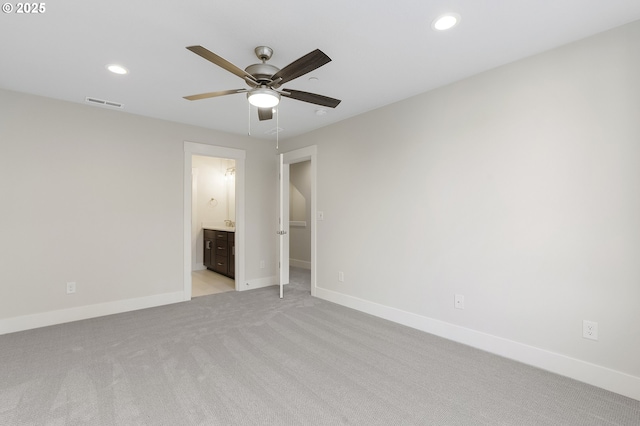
[(220, 228)]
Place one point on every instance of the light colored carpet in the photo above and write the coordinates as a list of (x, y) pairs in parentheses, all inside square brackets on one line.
[(250, 358)]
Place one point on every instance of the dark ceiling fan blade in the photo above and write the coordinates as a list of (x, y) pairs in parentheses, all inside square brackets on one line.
[(299, 67), (265, 113), (311, 98), (214, 94), (221, 62)]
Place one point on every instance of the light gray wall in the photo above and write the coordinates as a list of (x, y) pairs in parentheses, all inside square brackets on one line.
[(96, 196), (518, 188)]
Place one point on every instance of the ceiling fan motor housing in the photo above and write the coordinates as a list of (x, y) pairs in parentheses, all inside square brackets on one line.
[(262, 72)]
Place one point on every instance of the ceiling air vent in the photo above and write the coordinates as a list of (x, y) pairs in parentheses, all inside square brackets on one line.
[(102, 102)]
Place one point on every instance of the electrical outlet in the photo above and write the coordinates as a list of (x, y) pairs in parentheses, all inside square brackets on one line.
[(320, 215), (341, 276), (458, 301), (71, 287), (590, 330)]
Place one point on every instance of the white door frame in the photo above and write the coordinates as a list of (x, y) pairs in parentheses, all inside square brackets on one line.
[(309, 153), (239, 155), (283, 223)]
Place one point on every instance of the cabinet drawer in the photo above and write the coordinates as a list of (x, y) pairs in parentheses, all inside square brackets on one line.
[(220, 249), (209, 234), (220, 265), (221, 235)]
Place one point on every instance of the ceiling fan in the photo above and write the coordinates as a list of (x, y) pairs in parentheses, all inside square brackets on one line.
[(263, 79)]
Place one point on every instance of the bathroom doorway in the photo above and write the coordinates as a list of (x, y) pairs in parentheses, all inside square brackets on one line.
[(213, 222), (226, 213)]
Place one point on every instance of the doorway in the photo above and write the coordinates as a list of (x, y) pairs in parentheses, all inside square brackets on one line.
[(300, 223), (191, 183), (213, 225), (306, 158)]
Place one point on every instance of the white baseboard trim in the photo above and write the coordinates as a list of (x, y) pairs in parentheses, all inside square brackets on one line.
[(305, 264), (258, 283), (596, 375), (199, 267), (44, 319)]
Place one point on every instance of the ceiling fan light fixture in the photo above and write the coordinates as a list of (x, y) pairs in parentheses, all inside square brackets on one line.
[(263, 97)]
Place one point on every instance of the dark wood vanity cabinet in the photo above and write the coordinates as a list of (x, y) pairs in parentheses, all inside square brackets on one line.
[(219, 252), (231, 239)]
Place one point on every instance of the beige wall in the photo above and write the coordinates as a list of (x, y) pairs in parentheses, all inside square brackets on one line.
[(518, 188), (96, 196)]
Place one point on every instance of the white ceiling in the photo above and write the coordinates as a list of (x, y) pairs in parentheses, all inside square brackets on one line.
[(382, 51)]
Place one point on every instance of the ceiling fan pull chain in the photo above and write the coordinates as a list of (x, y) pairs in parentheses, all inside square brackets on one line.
[(277, 127), (249, 119)]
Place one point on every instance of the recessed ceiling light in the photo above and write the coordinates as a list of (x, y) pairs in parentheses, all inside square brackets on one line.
[(117, 69), (446, 21)]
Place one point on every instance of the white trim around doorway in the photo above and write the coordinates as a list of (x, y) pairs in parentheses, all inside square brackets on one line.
[(239, 155)]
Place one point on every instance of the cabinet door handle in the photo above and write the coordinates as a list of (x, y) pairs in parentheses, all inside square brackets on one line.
[(208, 246), (220, 264), (220, 248)]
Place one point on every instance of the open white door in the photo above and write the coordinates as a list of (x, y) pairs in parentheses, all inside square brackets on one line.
[(283, 224)]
